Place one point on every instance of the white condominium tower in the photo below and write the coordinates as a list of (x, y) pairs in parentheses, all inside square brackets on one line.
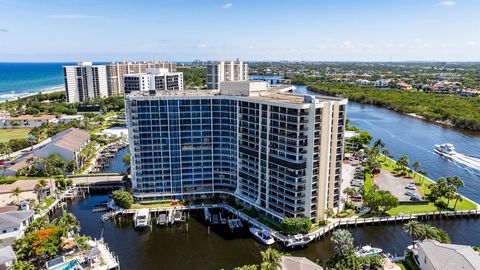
[(270, 149), (116, 72), (154, 79), (85, 81), (225, 71)]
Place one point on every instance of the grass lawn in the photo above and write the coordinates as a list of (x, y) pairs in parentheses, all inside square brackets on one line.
[(153, 204), (48, 201), (422, 186), (6, 134)]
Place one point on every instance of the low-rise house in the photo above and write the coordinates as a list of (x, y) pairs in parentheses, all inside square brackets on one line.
[(7, 257), (13, 223), (297, 263), (432, 255), (13, 167), (26, 121), (68, 144), (64, 119)]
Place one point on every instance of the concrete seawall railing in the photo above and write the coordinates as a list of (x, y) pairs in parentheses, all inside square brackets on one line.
[(322, 231)]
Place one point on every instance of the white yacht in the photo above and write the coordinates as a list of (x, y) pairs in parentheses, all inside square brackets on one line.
[(298, 240), (263, 236), (141, 219), (367, 251), (446, 150)]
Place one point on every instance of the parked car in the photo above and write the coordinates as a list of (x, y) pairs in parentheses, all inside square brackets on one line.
[(415, 198), (411, 193), (411, 187)]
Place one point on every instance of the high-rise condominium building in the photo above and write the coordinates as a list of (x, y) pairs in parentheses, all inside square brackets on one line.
[(270, 149), (225, 71), (85, 81), (116, 72), (154, 79)]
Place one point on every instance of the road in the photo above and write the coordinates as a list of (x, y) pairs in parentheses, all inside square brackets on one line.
[(26, 151)]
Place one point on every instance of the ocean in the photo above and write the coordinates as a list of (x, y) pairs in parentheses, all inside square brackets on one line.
[(22, 79)]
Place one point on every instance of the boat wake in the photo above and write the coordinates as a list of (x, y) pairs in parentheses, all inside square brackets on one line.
[(471, 162)]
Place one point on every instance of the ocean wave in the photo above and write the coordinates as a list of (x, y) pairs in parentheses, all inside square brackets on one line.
[(13, 95)]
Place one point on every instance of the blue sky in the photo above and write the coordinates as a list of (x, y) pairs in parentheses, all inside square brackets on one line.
[(181, 30)]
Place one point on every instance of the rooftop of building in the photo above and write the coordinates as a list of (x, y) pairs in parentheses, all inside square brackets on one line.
[(450, 256), (31, 117), (14, 218), (25, 185), (279, 93), (298, 263)]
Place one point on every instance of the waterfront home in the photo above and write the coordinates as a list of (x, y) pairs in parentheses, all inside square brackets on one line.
[(64, 119), (432, 255), (26, 121), (13, 223), (68, 144), (7, 256), (28, 187), (297, 263)]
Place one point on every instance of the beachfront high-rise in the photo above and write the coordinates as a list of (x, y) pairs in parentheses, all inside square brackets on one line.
[(225, 71), (158, 79), (279, 152), (85, 81), (116, 72)]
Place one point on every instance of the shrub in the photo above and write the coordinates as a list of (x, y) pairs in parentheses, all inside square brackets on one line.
[(441, 204), (296, 225), (122, 198)]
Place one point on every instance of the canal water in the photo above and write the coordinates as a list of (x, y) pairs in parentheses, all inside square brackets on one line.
[(415, 138), (117, 165), (175, 248)]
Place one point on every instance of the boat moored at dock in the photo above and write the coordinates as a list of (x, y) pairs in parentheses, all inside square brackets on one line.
[(298, 240), (263, 236), (367, 251), (141, 219)]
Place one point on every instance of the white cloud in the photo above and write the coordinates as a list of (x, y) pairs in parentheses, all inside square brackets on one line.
[(227, 5), (348, 44), (3, 30), (71, 16), (202, 46), (447, 3), (472, 43)]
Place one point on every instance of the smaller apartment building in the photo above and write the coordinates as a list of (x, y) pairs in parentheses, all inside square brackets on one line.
[(26, 121), (68, 144), (153, 80)]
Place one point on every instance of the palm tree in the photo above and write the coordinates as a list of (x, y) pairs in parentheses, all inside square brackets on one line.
[(416, 166), (386, 153), (415, 229), (379, 144), (424, 174), (67, 222), (349, 191), (402, 162), (457, 198), (16, 192), (270, 259), (39, 188)]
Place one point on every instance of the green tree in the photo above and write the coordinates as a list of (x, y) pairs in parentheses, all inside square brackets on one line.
[(415, 229), (270, 259), (342, 242), (349, 191), (40, 189), (71, 166), (122, 198), (247, 267), (16, 193), (296, 225), (403, 163), (67, 223), (126, 160), (457, 198), (22, 265), (416, 166)]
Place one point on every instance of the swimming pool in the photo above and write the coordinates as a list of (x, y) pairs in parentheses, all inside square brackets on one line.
[(71, 265)]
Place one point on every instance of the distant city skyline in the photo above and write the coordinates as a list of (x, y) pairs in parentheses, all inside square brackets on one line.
[(345, 30)]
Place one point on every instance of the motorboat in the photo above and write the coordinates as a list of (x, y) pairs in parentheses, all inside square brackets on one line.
[(446, 150), (141, 219), (367, 251), (263, 236), (162, 219), (298, 240)]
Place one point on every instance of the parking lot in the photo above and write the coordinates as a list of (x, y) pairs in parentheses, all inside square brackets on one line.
[(396, 185)]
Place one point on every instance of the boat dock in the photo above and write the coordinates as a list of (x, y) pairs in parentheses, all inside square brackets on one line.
[(314, 235)]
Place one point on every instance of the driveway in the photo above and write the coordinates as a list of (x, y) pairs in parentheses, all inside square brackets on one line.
[(348, 172), (396, 185)]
